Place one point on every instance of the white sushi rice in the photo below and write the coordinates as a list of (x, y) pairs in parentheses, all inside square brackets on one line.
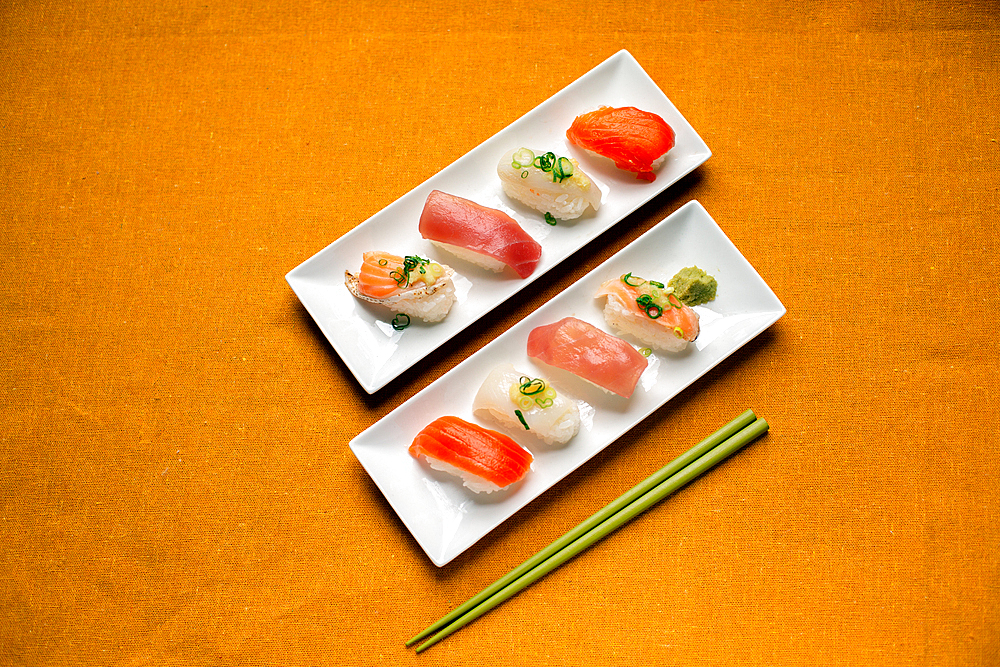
[(474, 482), (471, 256), (625, 320)]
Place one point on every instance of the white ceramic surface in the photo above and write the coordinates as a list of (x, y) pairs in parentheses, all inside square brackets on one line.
[(361, 333), (445, 517)]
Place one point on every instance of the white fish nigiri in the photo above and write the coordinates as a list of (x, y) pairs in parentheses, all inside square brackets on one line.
[(517, 401), (547, 183)]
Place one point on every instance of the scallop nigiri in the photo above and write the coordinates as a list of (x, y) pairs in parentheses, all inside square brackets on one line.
[(486, 460), (411, 285), (518, 401), (649, 312), (636, 140), (584, 350), (548, 183), (484, 236)]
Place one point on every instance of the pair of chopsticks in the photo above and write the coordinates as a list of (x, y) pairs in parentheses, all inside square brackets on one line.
[(704, 456)]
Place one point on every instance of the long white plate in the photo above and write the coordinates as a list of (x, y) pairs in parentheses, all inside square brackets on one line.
[(445, 517), (361, 333)]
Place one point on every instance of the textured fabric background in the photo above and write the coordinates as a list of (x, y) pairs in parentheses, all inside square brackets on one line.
[(175, 482)]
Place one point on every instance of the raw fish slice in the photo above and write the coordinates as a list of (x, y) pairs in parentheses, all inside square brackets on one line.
[(584, 350), (544, 412), (486, 460), (459, 225), (426, 290), (664, 323), (634, 139), (565, 198)]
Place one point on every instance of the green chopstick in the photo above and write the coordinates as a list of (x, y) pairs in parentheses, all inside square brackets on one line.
[(734, 435)]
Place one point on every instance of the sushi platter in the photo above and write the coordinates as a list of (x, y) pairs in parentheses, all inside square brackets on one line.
[(363, 334), (445, 517)]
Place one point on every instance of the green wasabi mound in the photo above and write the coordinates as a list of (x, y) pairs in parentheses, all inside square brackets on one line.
[(693, 286)]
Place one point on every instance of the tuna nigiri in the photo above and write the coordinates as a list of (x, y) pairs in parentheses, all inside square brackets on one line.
[(484, 236), (649, 312), (411, 285), (528, 404), (584, 350), (636, 140), (486, 460), (547, 183)]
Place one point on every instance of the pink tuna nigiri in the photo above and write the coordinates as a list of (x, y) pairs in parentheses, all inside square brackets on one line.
[(485, 236), (584, 350), (636, 140), (646, 310), (486, 460)]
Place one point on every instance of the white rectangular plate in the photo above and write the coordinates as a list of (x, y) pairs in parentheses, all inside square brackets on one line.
[(445, 517), (361, 333)]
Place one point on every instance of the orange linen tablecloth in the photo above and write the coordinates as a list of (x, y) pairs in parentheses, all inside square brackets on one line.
[(175, 482)]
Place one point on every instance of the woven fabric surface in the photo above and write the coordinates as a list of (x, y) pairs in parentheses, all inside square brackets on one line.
[(176, 486)]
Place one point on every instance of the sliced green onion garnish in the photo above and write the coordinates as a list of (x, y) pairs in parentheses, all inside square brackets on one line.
[(656, 284), (562, 169), (679, 332), (401, 321), (522, 157), (544, 161), (530, 387), (521, 418), (653, 311), (382, 262), (628, 276), (674, 301), (551, 219), (645, 352)]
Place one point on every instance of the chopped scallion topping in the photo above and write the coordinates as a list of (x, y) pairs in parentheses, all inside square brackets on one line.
[(521, 418), (628, 277), (561, 168), (551, 219), (645, 352), (401, 321), (522, 157)]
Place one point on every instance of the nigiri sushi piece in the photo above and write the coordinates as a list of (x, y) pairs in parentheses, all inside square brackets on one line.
[(484, 236), (547, 183), (649, 312), (636, 140), (584, 350), (486, 460), (514, 400), (411, 285)]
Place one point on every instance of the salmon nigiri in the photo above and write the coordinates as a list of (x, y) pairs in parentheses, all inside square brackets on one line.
[(486, 460), (479, 234), (649, 312), (411, 285), (634, 139), (584, 350)]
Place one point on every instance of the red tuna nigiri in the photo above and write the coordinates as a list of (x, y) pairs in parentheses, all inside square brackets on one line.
[(482, 235), (636, 140), (487, 460), (584, 350)]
